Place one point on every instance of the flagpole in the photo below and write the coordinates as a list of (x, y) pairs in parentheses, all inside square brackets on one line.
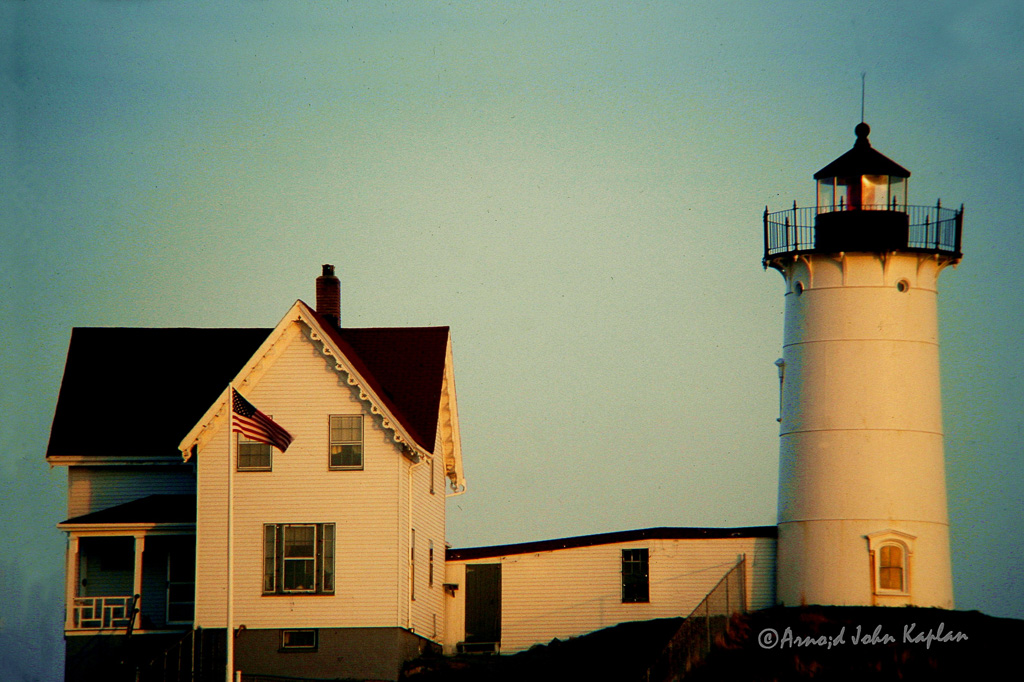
[(231, 518)]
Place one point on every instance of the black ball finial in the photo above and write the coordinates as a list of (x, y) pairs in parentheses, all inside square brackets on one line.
[(862, 131)]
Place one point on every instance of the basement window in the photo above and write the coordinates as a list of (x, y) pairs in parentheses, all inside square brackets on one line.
[(298, 640)]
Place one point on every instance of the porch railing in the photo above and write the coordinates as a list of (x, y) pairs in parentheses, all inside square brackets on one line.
[(102, 612)]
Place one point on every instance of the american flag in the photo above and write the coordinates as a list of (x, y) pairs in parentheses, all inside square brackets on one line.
[(255, 425)]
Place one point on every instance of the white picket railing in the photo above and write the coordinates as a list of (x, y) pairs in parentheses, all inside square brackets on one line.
[(91, 613)]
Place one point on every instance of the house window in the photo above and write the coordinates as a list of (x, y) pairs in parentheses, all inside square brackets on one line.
[(253, 455), (890, 568), (346, 441), (298, 558), (298, 640), (430, 567), (635, 583)]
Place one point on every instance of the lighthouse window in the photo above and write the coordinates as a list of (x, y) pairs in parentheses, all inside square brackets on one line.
[(890, 557), (798, 288), (890, 567), (874, 191), (902, 286)]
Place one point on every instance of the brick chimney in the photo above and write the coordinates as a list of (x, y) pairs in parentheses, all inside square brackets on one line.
[(328, 296)]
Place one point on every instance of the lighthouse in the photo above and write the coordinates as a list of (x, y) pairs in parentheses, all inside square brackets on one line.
[(862, 516)]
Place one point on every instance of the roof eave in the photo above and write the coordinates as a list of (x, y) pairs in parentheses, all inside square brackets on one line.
[(862, 161), (113, 460), (615, 537), (127, 528)]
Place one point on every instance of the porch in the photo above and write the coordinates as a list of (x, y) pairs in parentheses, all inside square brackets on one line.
[(129, 572)]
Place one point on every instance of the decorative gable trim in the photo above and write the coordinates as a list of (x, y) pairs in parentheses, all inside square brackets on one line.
[(342, 365), (287, 330), (448, 415)]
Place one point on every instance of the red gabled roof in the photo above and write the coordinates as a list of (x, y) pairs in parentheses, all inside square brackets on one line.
[(403, 365)]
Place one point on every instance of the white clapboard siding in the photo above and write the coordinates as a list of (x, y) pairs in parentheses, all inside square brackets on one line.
[(569, 592), (299, 388), (454, 606), (94, 488), (428, 513)]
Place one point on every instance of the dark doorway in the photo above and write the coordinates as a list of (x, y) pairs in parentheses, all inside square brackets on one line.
[(483, 607)]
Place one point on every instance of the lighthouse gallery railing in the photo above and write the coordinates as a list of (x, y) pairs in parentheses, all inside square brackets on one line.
[(932, 229)]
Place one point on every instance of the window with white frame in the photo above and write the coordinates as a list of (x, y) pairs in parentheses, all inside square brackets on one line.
[(253, 455), (346, 441), (890, 557), (298, 558), (635, 576)]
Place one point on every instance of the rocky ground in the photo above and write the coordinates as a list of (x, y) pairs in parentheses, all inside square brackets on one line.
[(807, 643)]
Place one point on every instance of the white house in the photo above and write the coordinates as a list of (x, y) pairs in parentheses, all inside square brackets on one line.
[(337, 543)]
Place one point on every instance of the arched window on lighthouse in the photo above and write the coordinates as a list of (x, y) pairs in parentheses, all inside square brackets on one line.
[(890, 553)]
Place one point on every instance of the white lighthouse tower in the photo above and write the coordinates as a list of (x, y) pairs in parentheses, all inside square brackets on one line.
[(862, 493)]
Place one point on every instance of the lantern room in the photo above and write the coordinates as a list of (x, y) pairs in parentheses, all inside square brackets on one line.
[(861, 206), (862, 179)]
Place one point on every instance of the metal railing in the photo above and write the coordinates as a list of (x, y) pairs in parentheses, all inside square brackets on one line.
[(96, 613), (932, 228), (199, 656), (696, 636)]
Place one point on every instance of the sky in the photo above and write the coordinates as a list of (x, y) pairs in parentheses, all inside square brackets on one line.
[(576, 189)]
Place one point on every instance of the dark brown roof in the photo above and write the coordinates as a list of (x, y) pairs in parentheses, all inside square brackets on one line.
[(109, 403), (404, 366), (611, 538), (152, 509), (108, 406)]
